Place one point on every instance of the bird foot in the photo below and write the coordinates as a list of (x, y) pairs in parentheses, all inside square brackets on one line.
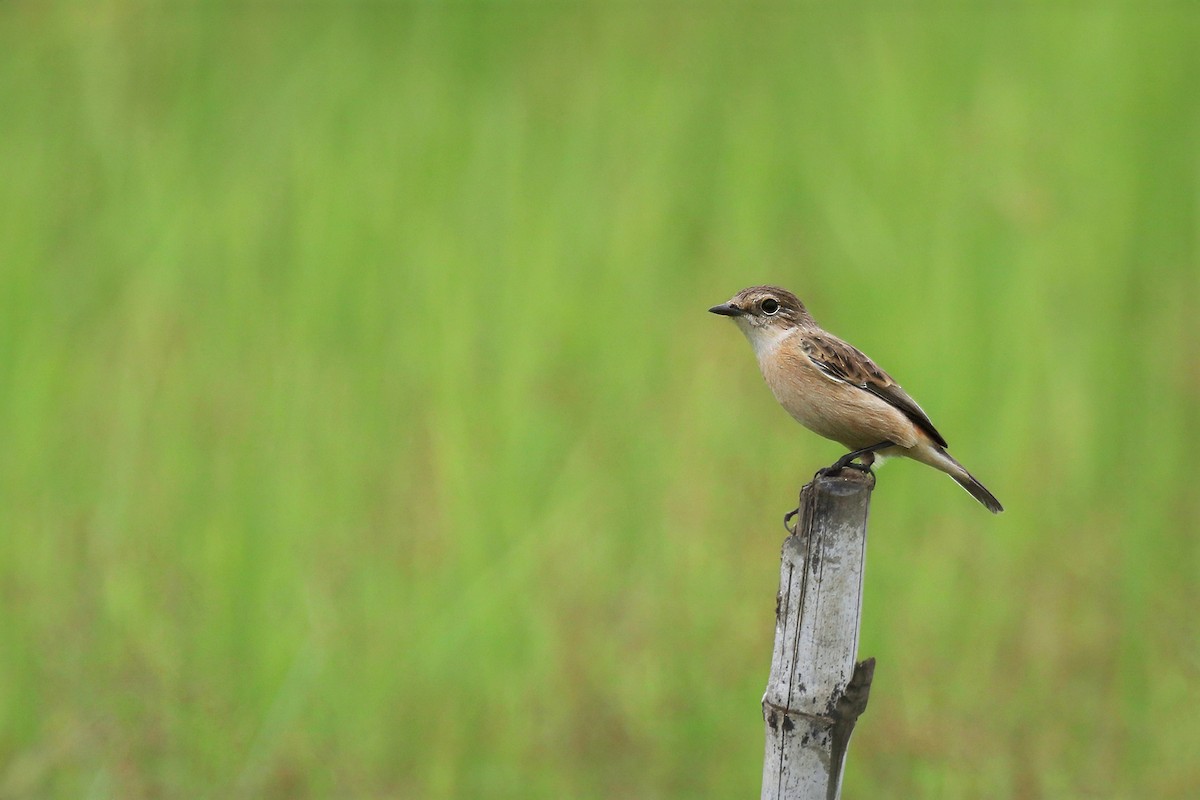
[(848, 461), (829, 471)]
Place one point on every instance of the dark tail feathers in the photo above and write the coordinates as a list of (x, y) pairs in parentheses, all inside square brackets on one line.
[(979, 491)]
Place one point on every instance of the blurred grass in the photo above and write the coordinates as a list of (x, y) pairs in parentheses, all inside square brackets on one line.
[(364, 434)]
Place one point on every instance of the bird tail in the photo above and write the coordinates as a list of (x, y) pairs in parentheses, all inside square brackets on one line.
[(978, 491), (951, 467)]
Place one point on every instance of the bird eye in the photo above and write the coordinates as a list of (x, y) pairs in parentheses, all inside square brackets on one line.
[(769, 306)]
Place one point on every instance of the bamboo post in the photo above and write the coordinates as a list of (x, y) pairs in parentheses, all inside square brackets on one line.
[(816, 691)]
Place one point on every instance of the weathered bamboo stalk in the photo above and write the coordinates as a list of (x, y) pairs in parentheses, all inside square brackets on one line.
[(816, 691)]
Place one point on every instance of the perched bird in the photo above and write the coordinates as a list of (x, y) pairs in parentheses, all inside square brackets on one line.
[(833, 389)]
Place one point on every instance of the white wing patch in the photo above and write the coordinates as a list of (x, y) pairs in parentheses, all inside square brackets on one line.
[(829, 371), (824, 370)]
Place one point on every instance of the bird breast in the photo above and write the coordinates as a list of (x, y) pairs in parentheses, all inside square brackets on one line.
[(830, 407)]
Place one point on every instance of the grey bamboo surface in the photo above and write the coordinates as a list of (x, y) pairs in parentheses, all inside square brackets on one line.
[(816, 690)]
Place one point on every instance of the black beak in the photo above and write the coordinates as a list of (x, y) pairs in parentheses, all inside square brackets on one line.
[(727, 310)]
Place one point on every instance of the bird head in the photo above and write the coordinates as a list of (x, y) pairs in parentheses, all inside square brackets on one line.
[(765, 314)]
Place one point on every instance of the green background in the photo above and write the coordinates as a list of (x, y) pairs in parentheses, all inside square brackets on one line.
[(363, 433)]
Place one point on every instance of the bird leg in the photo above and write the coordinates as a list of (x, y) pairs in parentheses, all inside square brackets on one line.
[(848, 459)]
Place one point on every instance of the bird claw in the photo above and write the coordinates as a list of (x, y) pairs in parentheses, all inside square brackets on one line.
[(833, 470), (848, 461), (788, 518)]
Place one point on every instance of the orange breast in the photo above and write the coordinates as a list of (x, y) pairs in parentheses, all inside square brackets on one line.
[(836, 410)]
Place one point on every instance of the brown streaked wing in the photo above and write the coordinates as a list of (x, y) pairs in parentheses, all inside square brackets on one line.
[(847, 363)]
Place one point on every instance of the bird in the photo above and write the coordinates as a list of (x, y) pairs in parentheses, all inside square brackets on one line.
[(833, 389)]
